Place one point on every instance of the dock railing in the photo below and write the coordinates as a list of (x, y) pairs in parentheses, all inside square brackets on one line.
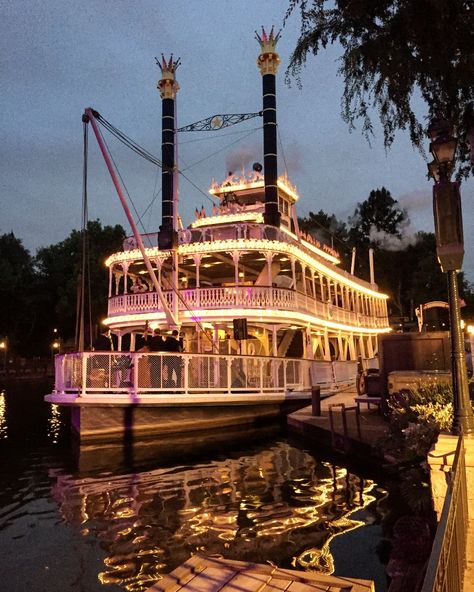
[(445, 570), (93, 373)]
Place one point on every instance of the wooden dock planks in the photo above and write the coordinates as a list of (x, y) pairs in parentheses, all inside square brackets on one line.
[(209, 574)]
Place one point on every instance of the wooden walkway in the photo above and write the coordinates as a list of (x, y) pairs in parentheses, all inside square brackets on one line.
[(208, 574)]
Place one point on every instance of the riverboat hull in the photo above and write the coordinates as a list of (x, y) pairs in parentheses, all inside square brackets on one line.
[(100, 418)]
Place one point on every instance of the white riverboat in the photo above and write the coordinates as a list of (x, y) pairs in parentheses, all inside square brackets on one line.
[(264, 310)]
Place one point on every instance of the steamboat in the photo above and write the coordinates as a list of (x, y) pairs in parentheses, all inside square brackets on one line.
[(264, 311)]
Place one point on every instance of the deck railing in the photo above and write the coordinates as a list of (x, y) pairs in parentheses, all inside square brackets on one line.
[(445, 571), (92, 373), (248, 297)]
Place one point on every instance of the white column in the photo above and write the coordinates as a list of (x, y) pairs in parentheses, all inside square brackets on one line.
[(235, 259), (269, 259), (274, 341), (327, 350)]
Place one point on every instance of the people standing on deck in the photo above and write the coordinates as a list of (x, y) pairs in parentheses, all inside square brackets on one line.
[(103, 342), (156, 344), (101, 363), (139, 287), (173, 363), (142, 343)]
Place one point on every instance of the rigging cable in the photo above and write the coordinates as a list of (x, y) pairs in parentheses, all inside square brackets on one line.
[(129, 142), (126, 190), (173, 287), (282, 151), (222, 149), (215, 137)]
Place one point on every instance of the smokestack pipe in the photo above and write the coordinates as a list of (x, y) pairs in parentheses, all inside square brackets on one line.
[(268, 62), (353, 260), (371, 266), (168, 87)]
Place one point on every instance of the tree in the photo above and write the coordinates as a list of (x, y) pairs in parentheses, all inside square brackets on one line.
[(59, 268), (16, 291), (393, 50), (378, 221), (324, 227)]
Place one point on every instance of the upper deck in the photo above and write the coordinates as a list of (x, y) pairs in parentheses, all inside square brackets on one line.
[(250, 269), (231, 263)]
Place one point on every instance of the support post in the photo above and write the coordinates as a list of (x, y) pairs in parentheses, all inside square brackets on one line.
[(463, 419)]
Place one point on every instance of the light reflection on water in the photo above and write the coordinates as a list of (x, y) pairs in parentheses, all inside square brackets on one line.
[(54, 423), (277, 504), (3, 418), (103, 519)]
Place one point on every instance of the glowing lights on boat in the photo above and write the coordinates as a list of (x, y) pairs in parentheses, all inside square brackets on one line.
[(265, 315), (261, 245), (256, 315), (242, 184), (229, 219), (319, 251)]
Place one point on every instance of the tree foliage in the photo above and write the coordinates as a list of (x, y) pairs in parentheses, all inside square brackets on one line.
[(405, 265), (378, 220), (59, 269), (394, 50), (16, 271)]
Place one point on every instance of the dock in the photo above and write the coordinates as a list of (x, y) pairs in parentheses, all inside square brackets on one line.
[(210, 574), (343, 424)]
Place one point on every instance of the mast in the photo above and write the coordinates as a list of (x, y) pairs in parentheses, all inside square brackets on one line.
[(89, 116), (268, 62)]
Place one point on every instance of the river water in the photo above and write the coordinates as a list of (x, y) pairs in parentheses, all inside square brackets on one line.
[(112, 518)]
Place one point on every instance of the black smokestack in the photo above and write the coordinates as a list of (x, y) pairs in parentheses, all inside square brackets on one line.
[(268, 62), (168, 88)]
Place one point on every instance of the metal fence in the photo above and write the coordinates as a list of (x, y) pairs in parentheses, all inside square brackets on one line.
[(157, 373), (445, 571)]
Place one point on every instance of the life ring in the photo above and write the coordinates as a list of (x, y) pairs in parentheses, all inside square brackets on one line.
[(184, 237)]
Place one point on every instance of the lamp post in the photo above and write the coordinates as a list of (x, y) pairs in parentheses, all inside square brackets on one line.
[(450, 252), (55, 349), (4, 348)]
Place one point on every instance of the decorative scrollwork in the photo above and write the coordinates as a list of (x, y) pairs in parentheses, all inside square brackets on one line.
[(217, 122)]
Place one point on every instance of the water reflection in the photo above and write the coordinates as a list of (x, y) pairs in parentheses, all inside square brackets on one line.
[(54, 423), (3, 416), (277, 504)]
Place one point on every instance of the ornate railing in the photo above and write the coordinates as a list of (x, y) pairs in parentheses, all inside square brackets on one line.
[(248, 297), (445, 571), (92, 373)]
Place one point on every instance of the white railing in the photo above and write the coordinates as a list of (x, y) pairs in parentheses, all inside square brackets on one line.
[(91, 373), (248, 297)]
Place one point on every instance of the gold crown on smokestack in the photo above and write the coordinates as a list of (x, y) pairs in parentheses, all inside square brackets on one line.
[(268, 61), (167, 85)]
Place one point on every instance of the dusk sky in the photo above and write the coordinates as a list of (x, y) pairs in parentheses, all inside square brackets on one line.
[(59, 57)]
